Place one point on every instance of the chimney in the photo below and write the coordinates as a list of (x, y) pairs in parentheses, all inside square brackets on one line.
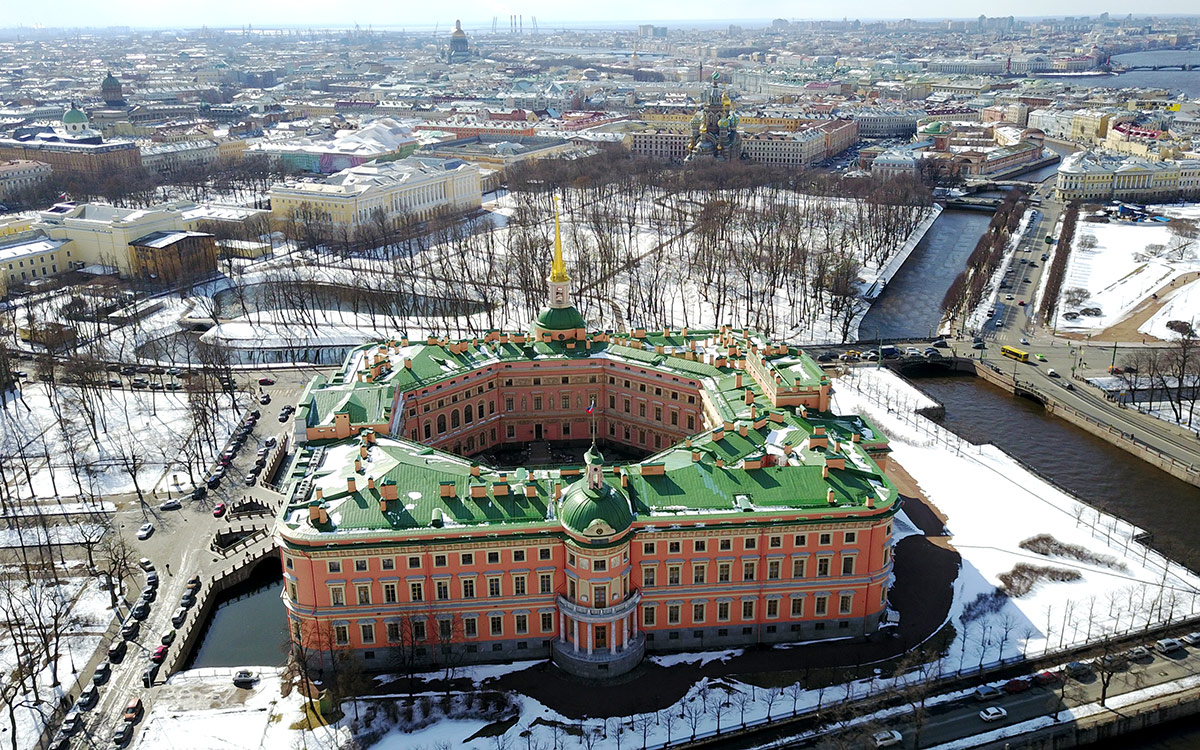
[(314, 512), (447, 489), (737, 380), (474, 470), (320, 493), (478, 490), (530, 489), (749, 399), (350, 485), (389, 491), (407, 363), (370, 483), (825, 471), (624, 479), (695, 456), (855, 437), (829, 498), (720, 462), (753, 412), (324, 515), (362, 450), (357, 465), (500, 489), (719, 433), (383, 505), (742, 430), (871, 500)]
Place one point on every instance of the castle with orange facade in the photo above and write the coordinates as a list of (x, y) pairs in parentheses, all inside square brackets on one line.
[(749, 513)]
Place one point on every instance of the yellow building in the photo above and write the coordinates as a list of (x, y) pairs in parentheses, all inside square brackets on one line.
[(414, 187), (30, 256), (102, 234)]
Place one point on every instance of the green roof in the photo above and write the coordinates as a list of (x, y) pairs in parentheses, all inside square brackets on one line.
[(560, 319), (74, 116), (602, 512)]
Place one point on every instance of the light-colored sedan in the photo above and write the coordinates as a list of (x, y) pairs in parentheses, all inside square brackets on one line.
[(886, 738), (993, 713), (145, 530)]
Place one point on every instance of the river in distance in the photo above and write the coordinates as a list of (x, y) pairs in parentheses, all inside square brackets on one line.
[(1177, 81)]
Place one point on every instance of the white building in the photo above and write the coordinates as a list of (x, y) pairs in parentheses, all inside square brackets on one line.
[(1093, 176), (171, 158), (799, 149)]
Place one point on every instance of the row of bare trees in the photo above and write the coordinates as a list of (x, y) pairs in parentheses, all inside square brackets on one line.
[(1169, 374), (1058, 266)]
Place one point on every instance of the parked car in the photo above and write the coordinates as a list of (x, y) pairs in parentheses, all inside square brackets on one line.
[(213, 481), (1139, 653), (133, 710), (1167, 646), (152, 578), (116, 651), (168, 637), (179, 617), (218, 510), (1112, 662), (72, 723), (986, 693), (149, 675), (103, 672), (826, 357), (993, 713), (1192, 639), (172, 504), (123, 734), (886, 738), (145, 564), (149, 594), (60, 742), (264, 399), (159, 654), (269, 442), (199, 492), (140, 611), (88, 698), (188, 599), (194, 583), (250, 480), (266, 381), (1012, 687), (145, 530), (244, 678), (129, 630)]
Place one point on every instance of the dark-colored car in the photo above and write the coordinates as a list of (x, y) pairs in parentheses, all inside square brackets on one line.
[(159, 654), (1012, 687), (103, 672), (88, 698), (116, 651), (1048, 677), (193, 583), (129, 631), (188, 599), (149, 675), (199, 492), (123, 734), (72, 724), (140, 611), (266, 381), (179, 617)]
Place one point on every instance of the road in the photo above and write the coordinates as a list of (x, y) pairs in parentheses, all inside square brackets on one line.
[(178, 549), (958, 719)]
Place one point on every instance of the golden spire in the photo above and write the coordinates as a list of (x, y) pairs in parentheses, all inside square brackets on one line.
[(558, 267)]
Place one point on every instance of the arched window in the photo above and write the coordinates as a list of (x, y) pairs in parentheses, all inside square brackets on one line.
[(441, 423), (454, 419), (468, 414)]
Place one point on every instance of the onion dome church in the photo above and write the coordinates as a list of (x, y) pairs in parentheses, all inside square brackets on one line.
[(715, 126)]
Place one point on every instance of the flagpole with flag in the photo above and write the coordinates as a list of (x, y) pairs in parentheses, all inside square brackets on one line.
[(592, 411)]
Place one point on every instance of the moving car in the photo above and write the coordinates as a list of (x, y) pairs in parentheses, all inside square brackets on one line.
[(886, 738), (218, 510), (264, 399), (145, 530), (171, 504), (1052, 373), (993, 713), (266, 381)]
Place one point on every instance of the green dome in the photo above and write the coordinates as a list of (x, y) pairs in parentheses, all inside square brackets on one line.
[(73, 116), (595, 513), (560, 319)]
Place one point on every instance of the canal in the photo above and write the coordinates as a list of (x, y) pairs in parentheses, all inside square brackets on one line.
[(247, 627), (911, 304)]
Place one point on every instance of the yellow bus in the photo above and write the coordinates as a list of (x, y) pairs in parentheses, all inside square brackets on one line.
[(1018, 354)]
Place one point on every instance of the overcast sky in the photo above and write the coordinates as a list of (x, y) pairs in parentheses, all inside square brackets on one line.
[(478, 14)]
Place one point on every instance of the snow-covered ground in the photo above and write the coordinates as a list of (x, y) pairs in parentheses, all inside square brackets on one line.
[(1130, 262), (83, 628), (1181, 303), (992, 504), (137, 433)]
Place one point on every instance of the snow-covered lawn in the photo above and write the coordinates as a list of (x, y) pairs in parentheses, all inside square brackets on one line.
[(82, 629), (140, 433), (1123, 269), (1181, 303)]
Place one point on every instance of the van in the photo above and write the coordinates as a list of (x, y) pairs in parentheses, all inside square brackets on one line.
[(133, 709), (889, 351)]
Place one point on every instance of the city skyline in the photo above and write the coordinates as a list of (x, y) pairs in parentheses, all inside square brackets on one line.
[(478, 14)]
